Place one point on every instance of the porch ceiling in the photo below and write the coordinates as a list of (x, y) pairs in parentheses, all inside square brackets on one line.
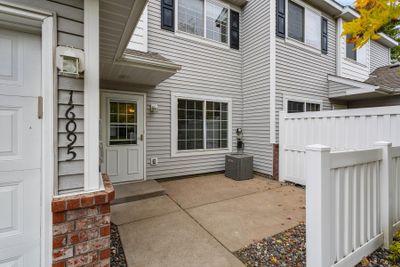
[(118, 19)]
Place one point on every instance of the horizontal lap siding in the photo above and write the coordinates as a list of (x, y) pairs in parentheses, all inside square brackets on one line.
[(206, 70), (256, 88), (379, 56), (302, 73), (69, 33)]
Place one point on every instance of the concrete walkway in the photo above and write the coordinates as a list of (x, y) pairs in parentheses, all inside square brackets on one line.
[(203, 220)]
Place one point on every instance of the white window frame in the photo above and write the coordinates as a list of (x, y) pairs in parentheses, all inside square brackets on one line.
[(297, 42), (174, 125), (203, 38), (305, 100)]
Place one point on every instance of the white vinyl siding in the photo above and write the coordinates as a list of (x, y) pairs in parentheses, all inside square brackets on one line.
[(256, 84), (380, 56), (206, 70), (139, 38), (302, 73)]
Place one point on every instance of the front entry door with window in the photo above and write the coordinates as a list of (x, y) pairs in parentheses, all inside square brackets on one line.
[(20, 148), (122, 125)]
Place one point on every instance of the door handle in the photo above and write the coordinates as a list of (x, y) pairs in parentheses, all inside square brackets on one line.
[(141, 137)]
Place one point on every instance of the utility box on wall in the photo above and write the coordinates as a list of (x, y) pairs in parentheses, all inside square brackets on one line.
[(239, 166)]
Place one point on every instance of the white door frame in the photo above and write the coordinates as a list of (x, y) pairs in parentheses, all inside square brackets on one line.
[(117, 92), (49, 74)]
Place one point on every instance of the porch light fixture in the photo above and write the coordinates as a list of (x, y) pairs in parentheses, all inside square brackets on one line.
[(70, 61), (153, 108)]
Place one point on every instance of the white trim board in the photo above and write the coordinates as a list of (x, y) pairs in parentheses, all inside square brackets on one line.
[(91, 96), (272, 74), (174, 125)]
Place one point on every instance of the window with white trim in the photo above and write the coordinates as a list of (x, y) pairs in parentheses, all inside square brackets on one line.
[(202, 124), (304, 25), (302, 106), (204, 18)]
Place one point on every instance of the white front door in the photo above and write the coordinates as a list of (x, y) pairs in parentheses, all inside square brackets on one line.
[(20, 149), (122, 125)]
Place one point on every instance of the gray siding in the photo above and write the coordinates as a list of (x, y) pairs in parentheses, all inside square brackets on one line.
[(379, 56), (338, 89), (375, 102), (256, 87), (303, 73), (206, 70), (69, 33)]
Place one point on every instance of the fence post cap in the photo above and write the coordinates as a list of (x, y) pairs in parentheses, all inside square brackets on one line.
[(383, 143), (318, 147)]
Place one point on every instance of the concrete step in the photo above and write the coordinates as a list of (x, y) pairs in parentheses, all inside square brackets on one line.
[(128, 192)]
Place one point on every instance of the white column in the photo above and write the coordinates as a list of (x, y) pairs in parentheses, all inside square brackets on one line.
[(387, 192), (91, 95), (319, 222)]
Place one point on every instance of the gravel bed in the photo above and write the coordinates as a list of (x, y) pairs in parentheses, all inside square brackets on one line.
[(117, 251), (288, 249), (284, 249)]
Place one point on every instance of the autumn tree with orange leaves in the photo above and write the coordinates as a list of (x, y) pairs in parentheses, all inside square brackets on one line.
[(375, 16)]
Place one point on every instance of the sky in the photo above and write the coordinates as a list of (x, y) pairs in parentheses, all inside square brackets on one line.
[(346, 2)]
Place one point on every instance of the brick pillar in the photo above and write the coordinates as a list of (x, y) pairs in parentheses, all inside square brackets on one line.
[(275, 163), (81, 228)]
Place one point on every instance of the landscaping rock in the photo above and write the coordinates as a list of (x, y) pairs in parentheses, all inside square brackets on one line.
[(117, 251)]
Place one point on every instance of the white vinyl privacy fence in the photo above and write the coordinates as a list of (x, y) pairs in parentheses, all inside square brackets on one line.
[(341, 130), (353, 203)]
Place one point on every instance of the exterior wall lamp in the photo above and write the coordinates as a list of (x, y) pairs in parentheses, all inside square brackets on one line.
[(70, 61)]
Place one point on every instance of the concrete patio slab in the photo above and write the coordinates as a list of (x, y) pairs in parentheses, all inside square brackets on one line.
[(142, 209), (238, 222), (197, 191), (172, 240)]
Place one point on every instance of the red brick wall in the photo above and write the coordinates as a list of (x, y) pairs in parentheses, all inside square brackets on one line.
[(275, 164), (81, 228)]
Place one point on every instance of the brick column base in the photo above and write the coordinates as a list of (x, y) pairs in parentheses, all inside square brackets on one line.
[(81, 228), (275, 163)]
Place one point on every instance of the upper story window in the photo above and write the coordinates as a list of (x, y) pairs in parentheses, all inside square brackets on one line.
[(351, 51), (304, 25), (209, 19), (211, 24)]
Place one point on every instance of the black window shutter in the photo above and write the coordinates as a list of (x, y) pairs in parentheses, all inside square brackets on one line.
[(234, 31), (281, 18), (167, 15), (324, 36)]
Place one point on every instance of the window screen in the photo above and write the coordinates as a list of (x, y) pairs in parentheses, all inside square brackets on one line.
[(313, 29), (190, 124), (191, 16), (217, 23), (294, 106), (296, 21), (351, 52), (217, 125)]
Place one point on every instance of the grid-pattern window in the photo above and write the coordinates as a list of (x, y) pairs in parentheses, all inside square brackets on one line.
[(190, 124), (191, 16), (217, 23), (298, 106), (217, 125), (202, 125), (122, 123)]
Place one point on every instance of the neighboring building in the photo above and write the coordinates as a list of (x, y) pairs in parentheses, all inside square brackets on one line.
[(174, 81)]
